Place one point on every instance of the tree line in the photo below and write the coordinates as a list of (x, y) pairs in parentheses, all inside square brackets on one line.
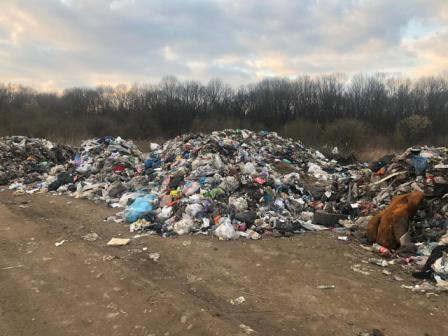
[(411, 110)]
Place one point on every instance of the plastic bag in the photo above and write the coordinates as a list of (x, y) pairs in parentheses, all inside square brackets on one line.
[(139, 208), (229, 184), (419, 163), (125, 198), (165, 213), (193, 209), (225, 230), (217, 162), (317, 171), (239, 203), (249, 168), (440, 266), (183, 226), (191, 188)]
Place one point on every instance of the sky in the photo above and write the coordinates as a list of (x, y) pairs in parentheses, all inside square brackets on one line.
[(55, 44)]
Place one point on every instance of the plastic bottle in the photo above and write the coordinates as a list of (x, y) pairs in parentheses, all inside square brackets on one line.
[(381, 250)]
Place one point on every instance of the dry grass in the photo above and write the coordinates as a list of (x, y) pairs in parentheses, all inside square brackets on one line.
[(374, 154), (145, 144)]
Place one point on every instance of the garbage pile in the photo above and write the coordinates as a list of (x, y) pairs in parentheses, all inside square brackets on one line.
[(102, 169), (26, 160), (204, 183), (237, 183), (417, 169)]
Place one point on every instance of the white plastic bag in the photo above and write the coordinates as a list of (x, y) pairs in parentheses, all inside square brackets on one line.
[(225, 230), (193, 209), (183, 226), (239, 203), (440, 266)]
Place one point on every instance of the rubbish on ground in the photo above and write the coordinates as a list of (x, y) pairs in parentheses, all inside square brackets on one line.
[(154, 256), (436, 264), (237, 183), (92, 236), (381, 250), (109, 257), (379, 262), (326, 287), (237, 301), (57, 244), (357, 268), (11, 267), (374, 332), (328, 219), (248, 330), (118, 241)]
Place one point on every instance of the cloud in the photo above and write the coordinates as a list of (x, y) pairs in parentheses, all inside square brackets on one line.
[(432, 50), (58, 44)]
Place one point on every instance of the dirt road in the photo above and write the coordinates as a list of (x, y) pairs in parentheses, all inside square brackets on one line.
[(87, 288)]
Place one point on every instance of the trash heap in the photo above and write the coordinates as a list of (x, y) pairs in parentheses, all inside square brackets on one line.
[(231, 183), (26, 160), (102, 169), (417, 169), (236, 183)]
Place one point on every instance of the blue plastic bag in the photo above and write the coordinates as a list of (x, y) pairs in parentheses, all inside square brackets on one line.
[(152, 162), (139, 208), (419, 163)]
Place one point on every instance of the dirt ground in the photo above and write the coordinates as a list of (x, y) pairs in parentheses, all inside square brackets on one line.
[(88, 288)]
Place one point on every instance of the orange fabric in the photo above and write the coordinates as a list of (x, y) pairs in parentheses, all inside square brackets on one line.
[(380, 171), (387, 227)]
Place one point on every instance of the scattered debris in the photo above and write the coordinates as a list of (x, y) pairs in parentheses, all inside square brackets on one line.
[(91, 237), (109, 257), (154, 256), (357, 268), (12, 267), (326, 287), (379, 262), (57, 244), (374, 332), (248, 330), (236, 184), (118, 241), (237, 301)]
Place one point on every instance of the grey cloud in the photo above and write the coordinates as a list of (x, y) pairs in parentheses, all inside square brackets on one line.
[(82, 41)]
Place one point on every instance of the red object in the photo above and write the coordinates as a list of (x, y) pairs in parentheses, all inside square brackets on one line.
[(380, 171), (429, 180), (242, 227), (172, 203), (118, 168), (216, 219), (406, 260), (317, 205), (259, 180), (381, 250)]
